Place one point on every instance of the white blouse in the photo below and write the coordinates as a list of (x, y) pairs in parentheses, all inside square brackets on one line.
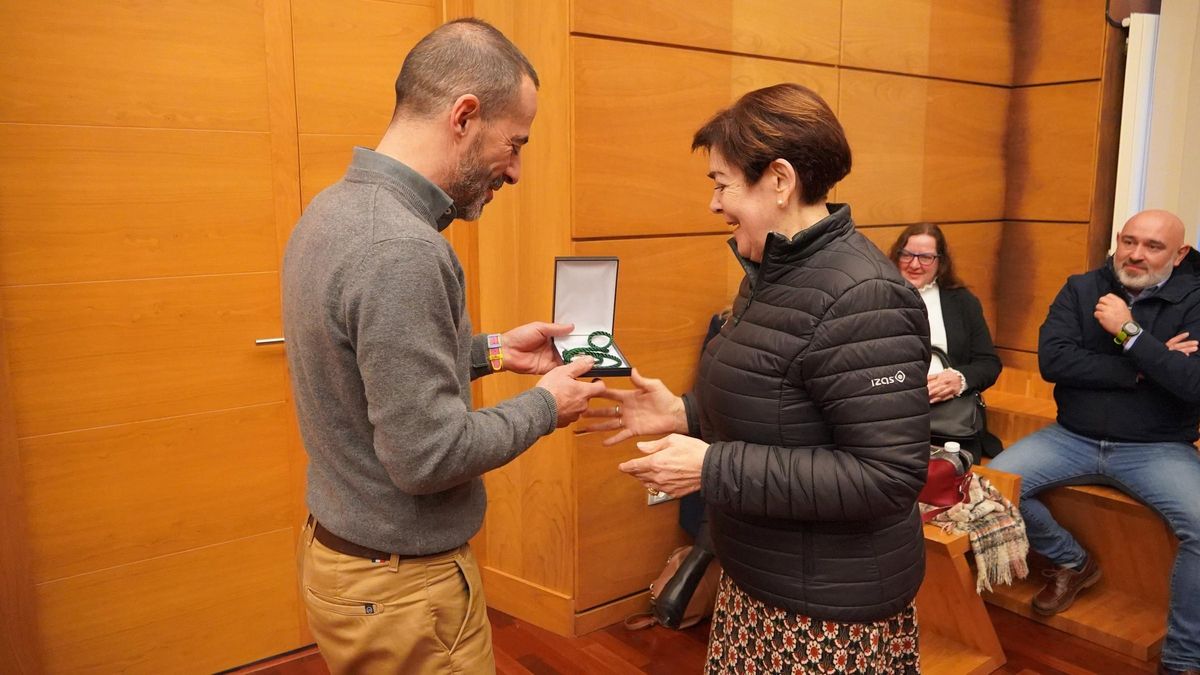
[(937, 325)]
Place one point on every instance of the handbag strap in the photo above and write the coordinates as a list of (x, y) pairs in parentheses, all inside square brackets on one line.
[(942, 356), (640, 621)]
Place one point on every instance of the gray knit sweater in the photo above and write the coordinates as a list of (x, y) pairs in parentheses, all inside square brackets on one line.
[(382, 355)]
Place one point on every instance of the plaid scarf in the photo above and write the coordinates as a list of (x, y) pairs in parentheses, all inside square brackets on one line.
[(997, 534)]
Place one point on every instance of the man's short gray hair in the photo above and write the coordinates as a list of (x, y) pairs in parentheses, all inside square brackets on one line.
[(465, 56)]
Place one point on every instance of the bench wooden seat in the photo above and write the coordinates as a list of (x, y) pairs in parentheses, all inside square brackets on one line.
[(1126, 611), (1020, 402), (957, 636)]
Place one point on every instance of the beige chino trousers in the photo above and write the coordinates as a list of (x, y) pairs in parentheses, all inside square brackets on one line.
[(404, 615)]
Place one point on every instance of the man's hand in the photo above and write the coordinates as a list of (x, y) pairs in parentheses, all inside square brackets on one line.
[(673, 464), (527, 348), (1112, 312), (649, 409), (570, 395), (1180, 343)]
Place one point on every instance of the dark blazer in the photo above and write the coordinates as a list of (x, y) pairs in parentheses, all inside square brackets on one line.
[(968, 340), (969, 344)]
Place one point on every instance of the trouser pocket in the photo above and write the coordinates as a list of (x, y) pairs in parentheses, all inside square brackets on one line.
[(451, 588), (338, 605)]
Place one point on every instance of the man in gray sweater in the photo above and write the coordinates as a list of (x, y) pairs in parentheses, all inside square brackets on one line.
[(382, 355)]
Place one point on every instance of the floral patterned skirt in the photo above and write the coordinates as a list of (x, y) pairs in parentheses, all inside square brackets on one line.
[(749, 636)]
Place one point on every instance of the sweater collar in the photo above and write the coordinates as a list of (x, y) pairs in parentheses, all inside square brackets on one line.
[(415, 190)]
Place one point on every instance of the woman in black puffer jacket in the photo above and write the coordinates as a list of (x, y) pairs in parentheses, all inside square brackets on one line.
[(807, 432)]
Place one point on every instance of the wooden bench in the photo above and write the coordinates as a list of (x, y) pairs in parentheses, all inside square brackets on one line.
[(957, 636), (1020, 402), (1126, 610)]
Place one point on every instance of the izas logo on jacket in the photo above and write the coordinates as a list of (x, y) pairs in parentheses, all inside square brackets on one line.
[(890, 379)]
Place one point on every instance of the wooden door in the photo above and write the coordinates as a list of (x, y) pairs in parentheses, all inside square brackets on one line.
[(150, 172)]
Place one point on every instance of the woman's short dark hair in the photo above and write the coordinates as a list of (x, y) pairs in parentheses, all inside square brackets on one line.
[(464, 56), (786, 121), (946, 276)]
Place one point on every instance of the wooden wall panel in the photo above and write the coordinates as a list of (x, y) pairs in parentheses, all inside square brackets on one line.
[(118, 494), (531, 512), (964, 175), (324, 159), (966, 40), (882, 236), (633, 169), (780, 28), (18, 621), (141, 64), (622, 542), (1059, 41), (1035, 261), (886, 183), (937, 154), (347, 56), (976, 248), (188, 612), (85, 355), (281, 95), (1052, 152), (90, 203), (667, 291)]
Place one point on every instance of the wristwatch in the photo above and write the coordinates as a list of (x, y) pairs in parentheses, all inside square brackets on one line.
[(1127, 331)]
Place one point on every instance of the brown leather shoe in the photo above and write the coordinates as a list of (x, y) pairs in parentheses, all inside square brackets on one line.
[(1163, 670), (1065, 583)]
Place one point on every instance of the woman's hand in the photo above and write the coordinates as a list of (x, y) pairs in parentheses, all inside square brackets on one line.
[(944, 386), (673, 464), (649, 409)]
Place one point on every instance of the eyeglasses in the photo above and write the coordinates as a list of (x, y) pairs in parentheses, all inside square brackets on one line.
[(923, 259)]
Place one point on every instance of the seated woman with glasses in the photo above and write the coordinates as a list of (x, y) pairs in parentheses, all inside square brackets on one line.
[(956, 323)]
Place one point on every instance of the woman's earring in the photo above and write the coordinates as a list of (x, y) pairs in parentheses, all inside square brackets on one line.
[(780, 203)]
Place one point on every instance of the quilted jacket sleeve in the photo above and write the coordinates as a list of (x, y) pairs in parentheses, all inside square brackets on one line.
[(865, 370)]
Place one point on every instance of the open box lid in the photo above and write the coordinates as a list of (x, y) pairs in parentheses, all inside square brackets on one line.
[(585, 294)]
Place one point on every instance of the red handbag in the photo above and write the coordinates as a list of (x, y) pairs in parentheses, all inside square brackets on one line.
[(944, 487)]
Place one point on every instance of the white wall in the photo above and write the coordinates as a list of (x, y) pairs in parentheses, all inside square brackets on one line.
[(1174, 161)]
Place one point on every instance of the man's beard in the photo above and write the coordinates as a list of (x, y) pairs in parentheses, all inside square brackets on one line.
[(471, 181), (1151, 277)]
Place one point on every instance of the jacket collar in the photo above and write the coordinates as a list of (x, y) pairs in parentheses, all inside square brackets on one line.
[(416, 191), (781, 251)]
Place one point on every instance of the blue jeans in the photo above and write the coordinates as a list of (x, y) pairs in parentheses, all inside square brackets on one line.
[(1164, 476)]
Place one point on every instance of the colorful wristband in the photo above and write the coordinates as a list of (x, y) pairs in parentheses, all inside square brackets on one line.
[(495, 356)]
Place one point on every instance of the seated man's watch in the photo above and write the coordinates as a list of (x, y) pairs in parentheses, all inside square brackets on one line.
[(1127, 331)]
